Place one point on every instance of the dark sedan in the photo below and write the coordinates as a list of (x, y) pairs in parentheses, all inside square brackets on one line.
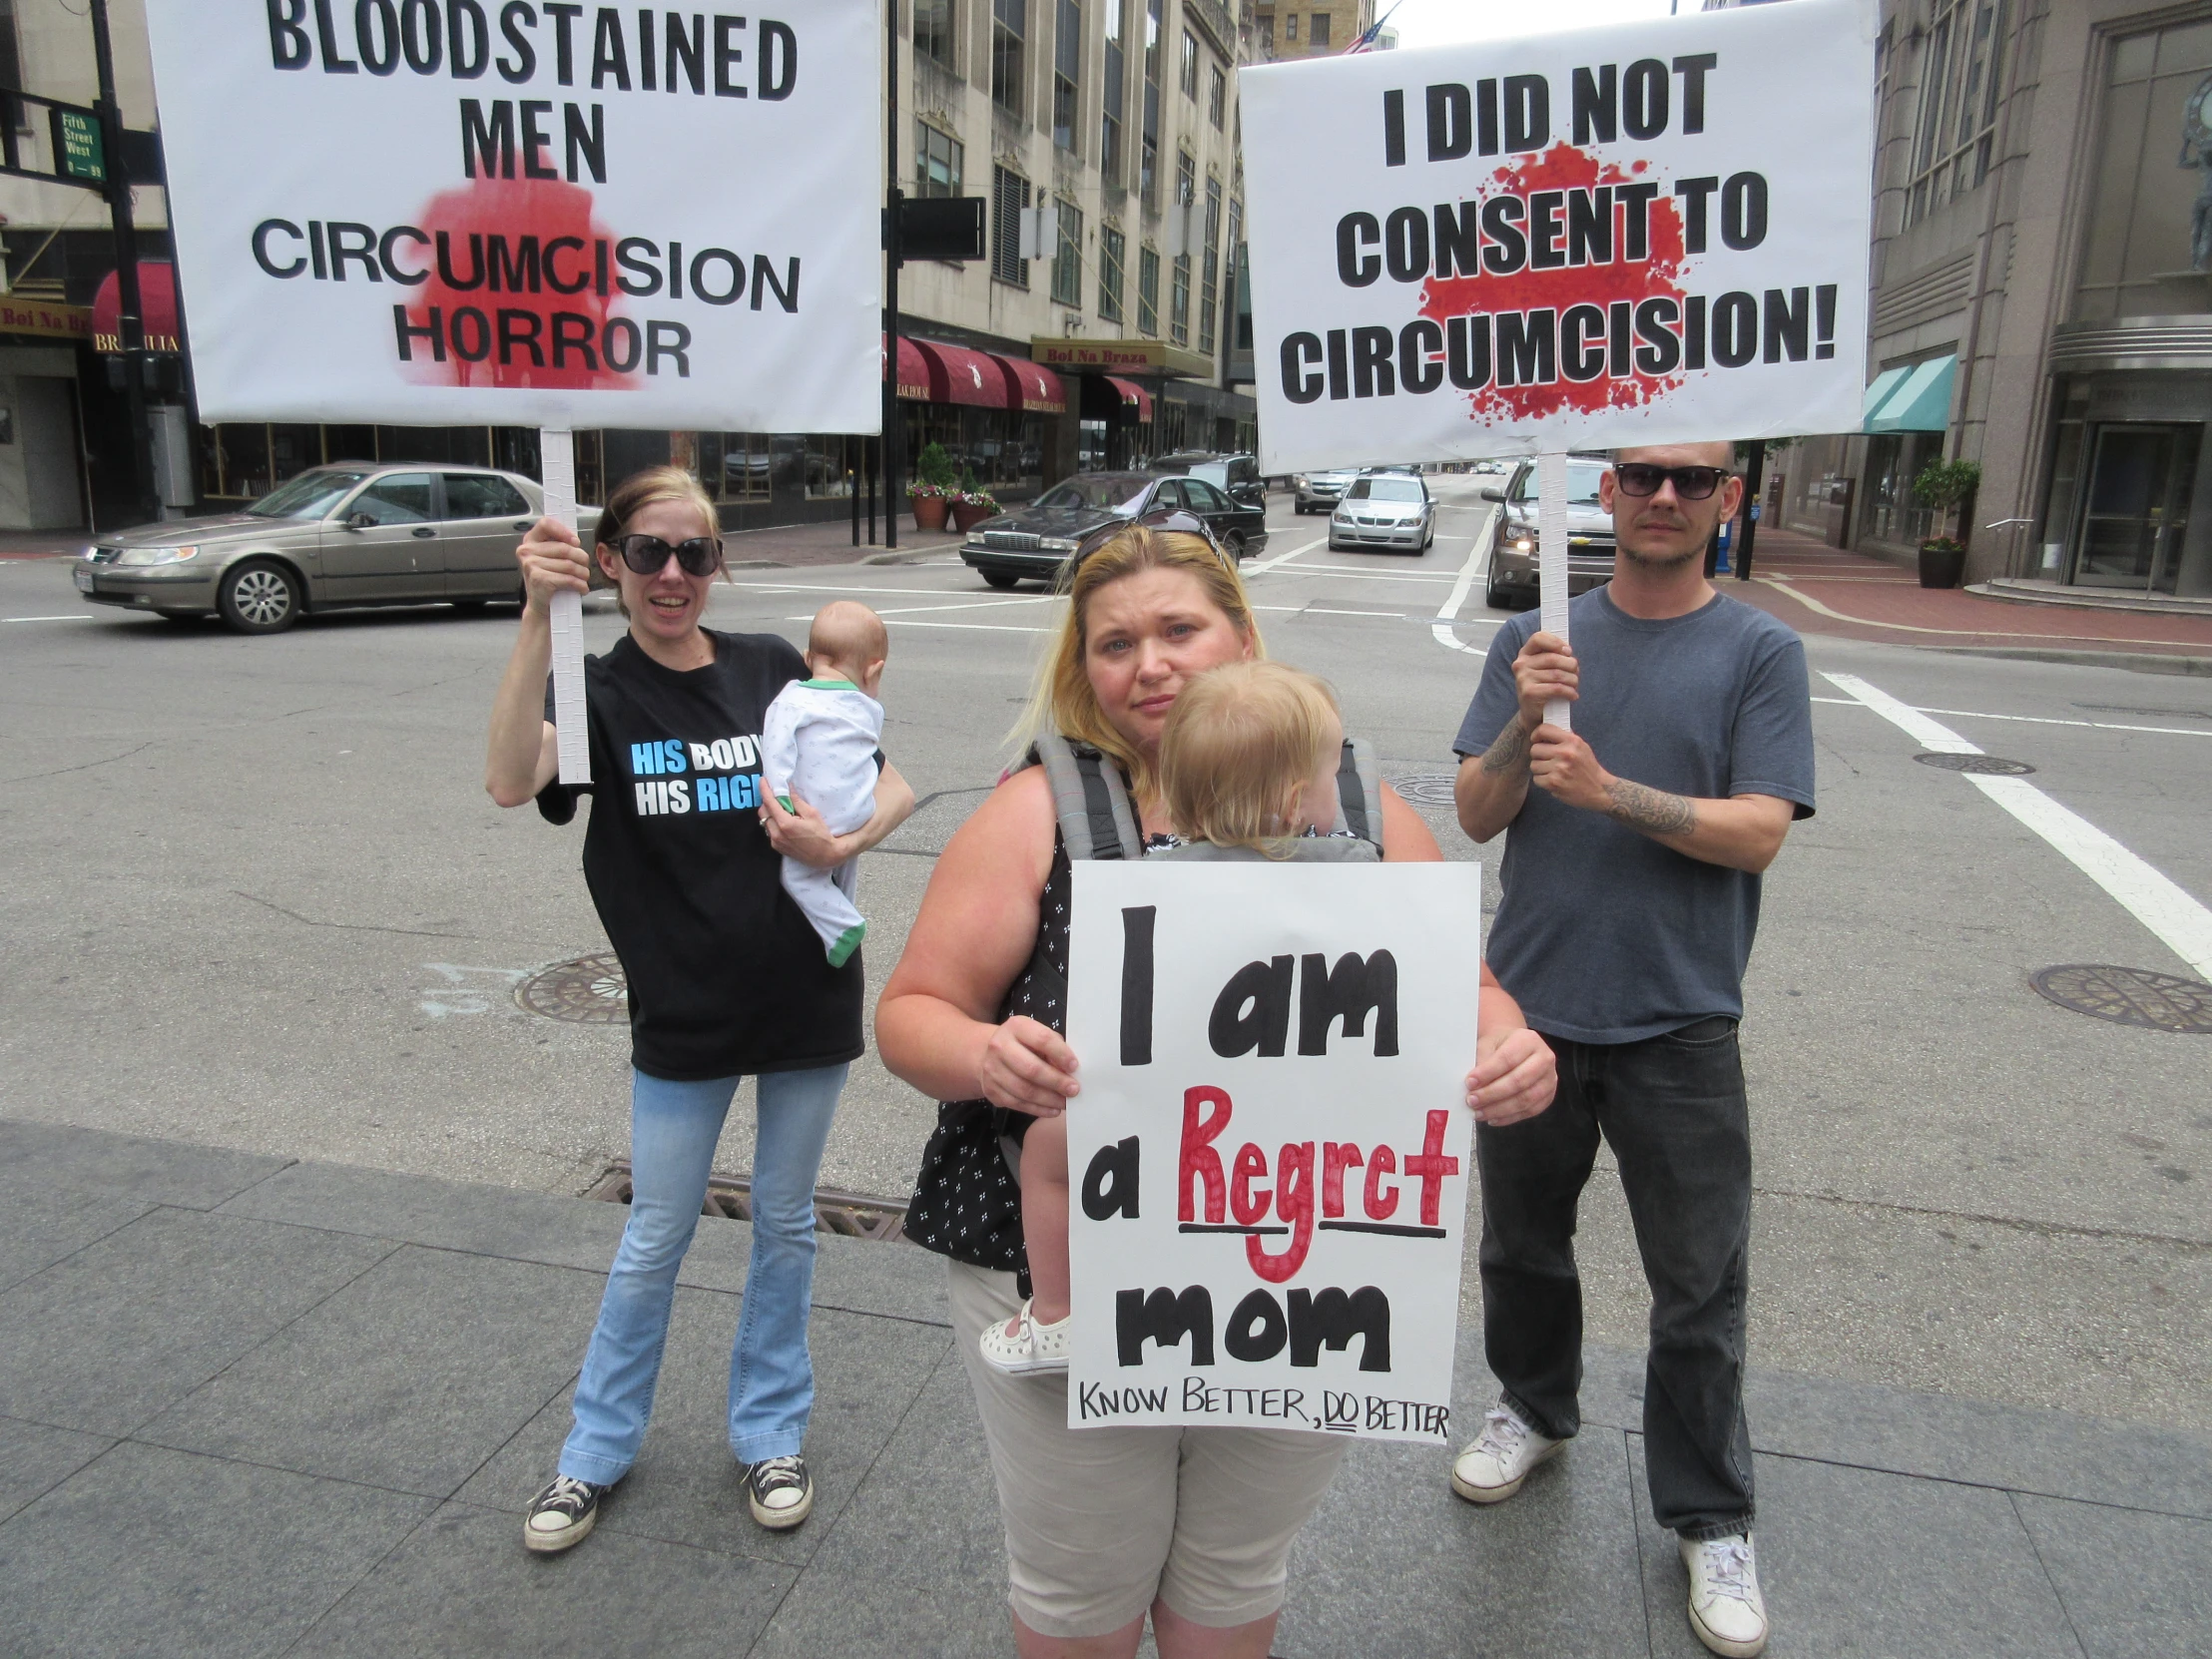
[(1036, 540)]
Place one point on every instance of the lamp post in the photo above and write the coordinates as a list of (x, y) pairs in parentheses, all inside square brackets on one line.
[(130, 319)]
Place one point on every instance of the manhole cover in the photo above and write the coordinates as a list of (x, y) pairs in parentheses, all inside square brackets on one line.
[(2129, 996), (852, 1215), (590, 990), (1432, 788), (1988, 765)]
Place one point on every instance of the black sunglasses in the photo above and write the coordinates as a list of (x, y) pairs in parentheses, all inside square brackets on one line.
[(1691, 484), (648, 555), (1178, 519)]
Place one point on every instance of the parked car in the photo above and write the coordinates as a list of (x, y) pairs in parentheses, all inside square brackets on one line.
[(349, 533), (1319, 491), (1389, 509), (1035, 540), (1514, 548), (1237, 476)]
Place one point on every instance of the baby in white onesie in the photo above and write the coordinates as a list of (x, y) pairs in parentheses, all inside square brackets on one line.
[(818, 741)]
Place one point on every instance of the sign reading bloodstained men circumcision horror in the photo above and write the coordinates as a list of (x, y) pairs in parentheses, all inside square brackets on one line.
[(1647, 233), (1269, 1156), (515, 212)]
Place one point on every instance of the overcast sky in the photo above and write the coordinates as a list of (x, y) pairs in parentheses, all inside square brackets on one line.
[(1441, 22)]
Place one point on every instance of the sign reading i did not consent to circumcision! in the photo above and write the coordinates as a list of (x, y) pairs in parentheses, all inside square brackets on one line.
[(1647, 233), (445, 211)]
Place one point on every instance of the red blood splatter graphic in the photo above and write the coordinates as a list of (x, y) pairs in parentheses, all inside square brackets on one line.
[(521, 293), (1657, 276)]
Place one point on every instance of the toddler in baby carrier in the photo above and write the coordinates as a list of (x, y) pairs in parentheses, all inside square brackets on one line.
[(1253, 765)]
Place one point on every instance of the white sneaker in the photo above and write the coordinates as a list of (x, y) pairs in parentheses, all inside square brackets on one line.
[(1023, 1344), (1492, 1469), (1725, 1609)]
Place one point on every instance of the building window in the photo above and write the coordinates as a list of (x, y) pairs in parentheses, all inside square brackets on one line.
[(1150, 159), (1267, 32), (938, 159), (1289, 26), (1112, 249), (1067, 257), (1179, 300), (1237, 314), (1954, 134), (2148, 242), (1209, 270), (1316, 38), (1148, 290), (1190, 65), (1109, 121), (1217, 99), (1009, 195), (934, 31), (1009, 36), (1067, 62)]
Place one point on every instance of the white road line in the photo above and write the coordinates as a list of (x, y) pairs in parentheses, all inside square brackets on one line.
[(2033, 720), (971, 627), (1477, 558), (833, 587), (1322, 610), (965, 605), (1266, 565), (81, 616), (2151, 897), (1372, 575)]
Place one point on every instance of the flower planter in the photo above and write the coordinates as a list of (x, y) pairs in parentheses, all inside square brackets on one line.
[(929, 511), (966, 515), (1941, 566)]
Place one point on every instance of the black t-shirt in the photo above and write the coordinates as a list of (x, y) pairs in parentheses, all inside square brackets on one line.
[(726, 974)]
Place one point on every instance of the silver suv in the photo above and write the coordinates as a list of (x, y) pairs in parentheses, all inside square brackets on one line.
[(349, 533), (1513, 579)]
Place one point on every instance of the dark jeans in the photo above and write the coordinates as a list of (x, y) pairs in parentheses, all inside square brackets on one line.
[(1673, 1110)]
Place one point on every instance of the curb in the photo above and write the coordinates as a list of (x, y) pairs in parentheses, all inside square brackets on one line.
[(2135, 662), (915, 558), (2194, 609)]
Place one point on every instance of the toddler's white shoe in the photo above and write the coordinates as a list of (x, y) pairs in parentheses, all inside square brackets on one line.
[(1023, 1344)]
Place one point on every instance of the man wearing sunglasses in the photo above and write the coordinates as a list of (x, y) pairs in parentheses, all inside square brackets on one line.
[(1630, 887)]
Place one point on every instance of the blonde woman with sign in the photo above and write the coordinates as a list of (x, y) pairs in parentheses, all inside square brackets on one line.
[(1105, 1527)]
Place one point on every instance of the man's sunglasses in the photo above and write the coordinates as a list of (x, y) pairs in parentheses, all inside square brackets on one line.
[(648, 555), (1691, 484)]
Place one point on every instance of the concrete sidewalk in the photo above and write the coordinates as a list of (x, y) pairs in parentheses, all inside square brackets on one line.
[(1818, 589), (251, 1406)]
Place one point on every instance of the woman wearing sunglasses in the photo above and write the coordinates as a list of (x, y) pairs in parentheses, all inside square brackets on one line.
[(1105, 1527), (727, 979)]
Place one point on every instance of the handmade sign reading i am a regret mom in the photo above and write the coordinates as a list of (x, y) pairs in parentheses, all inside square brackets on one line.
[(451, 212), (1270, 1153), (1647, 233)]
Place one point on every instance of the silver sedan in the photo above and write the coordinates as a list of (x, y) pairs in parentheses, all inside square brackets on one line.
[(350, 533), (1388, 510)]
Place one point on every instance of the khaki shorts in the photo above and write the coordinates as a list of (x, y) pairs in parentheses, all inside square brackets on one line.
[(1101, 1522)]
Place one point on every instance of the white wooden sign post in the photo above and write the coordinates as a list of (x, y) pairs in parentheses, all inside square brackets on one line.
[(1552, 565), (1270, 1152)]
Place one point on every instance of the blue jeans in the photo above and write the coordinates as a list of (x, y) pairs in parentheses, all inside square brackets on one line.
[(673, 1131)]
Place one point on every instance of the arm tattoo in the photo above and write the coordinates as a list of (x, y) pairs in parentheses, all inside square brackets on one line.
[(1648, 811), (1509, 753)]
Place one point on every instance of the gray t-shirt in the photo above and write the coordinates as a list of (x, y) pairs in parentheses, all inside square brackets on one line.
[(1603, 935)]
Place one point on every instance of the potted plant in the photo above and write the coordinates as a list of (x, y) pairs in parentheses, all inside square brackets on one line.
[(972, 503), (1943, 485), (931, 491)]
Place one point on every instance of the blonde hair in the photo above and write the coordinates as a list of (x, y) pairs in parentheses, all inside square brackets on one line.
[(1239, 742), (1062, 699)]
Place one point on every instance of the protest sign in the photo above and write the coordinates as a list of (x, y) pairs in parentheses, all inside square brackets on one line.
[(1647, 233), (446, 211), (1270, 1155)]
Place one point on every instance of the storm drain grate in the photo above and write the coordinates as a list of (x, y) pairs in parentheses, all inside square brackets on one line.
[(849, 1215), (2129, 996), (591, 990), (1989, 766), (1432, 789)]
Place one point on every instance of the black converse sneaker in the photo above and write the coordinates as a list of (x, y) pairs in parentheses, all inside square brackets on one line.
[(780, 1492), (561, 1516)]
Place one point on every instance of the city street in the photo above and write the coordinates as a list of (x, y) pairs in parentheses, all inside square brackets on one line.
[(257, 898)]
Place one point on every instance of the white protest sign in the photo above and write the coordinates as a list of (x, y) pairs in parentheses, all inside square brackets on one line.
[(445, 211), (1647, 233), (1270, 1155)]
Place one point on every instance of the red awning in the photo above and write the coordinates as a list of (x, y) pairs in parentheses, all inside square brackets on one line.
[(157, 308), (958, 375), (1133, 396), (914, 372), (1037, 390)]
